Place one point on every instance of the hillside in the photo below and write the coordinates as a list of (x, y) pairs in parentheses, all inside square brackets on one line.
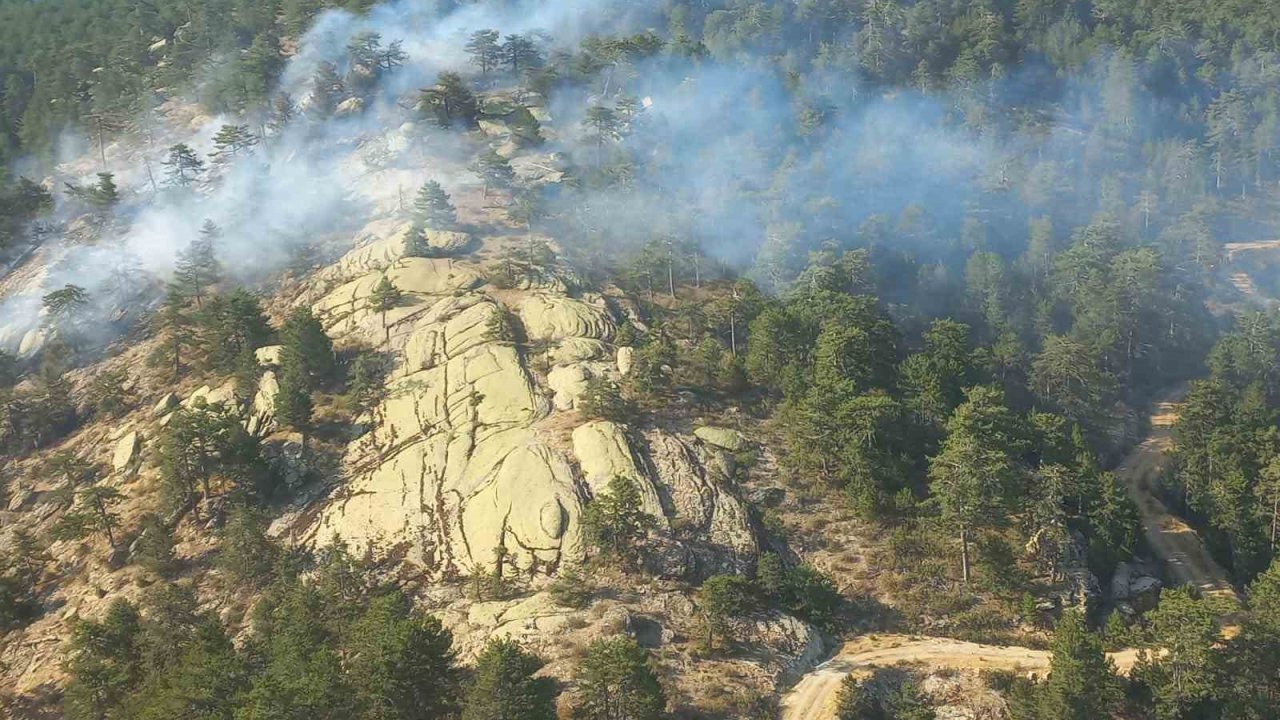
[(619, 361)]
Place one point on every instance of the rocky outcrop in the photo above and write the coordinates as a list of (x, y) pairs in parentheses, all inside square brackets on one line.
[(723, 438), (457, 466), (124, 457)]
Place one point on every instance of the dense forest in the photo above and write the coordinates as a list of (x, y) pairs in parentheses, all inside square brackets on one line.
[(945, 251)]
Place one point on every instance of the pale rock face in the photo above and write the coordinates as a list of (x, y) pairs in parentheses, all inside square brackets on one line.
[(723, 438), (224, 394), (269, 356), (165, 405), (126, 452), (459, 462), (554, 317), (262, 413), (625, 360), (31, 343), (702, 506), (568, 382), (604, 451)]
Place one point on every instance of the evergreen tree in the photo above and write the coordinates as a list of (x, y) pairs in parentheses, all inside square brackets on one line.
[(197, 267), (307, 350), (616, 683), (293, 406), (384, 297), (1082, 682), (183, 167), (153, 548), (504, 685), (230, 142), (177, 333), (520, 53), (432, 208), (973, 475), (401, 664), (494, 169), (615, 522), (484, 49), (450, 102)]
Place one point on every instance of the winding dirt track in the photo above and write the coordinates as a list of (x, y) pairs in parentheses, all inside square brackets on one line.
[(814, 697)]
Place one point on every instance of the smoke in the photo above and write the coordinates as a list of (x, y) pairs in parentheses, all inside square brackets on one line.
[(754, 166)]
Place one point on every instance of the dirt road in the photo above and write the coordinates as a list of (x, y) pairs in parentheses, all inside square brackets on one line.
[(814, 697), (1172, 540)]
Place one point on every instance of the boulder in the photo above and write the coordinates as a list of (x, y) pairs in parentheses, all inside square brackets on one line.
[(262, 412), (449, 242), (126, 452), (32, 341), (350, 106), (723, 438), (568, 382), (165, 405), (625, 359), (603, 453), (269, 356), (493, 127)]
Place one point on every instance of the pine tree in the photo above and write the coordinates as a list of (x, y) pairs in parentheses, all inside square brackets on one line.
[(451, 102), (230, 142), (327, 91), (153, 548), (615, 682), (307, 350), (401, 662), (293, 406), (183, 167), (520, 53), (177, 333), (384, 297), (283, 111), (484, 49), (1082, 682), (494, 170), (93, 514), (64, 311), (432, 208), (615, 521), (197, 267), (504, 687)]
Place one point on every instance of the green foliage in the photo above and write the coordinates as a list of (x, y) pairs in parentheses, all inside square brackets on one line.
[(504, 686), (571, 588), (230, 326), (203, 448), (307, 350), (721, 598), (615, 523), (197, 267), (153, 547), (246, 553), (886, 695), (615, 682), (1082, 682), (433, 209), (450, 102), (401, 665), (366, 379), (602, 400), (107, 393)]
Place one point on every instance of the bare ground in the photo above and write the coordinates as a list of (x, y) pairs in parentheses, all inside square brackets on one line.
[(1176, 543)]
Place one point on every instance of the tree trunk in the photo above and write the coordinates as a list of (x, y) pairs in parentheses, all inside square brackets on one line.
[(964, 555), (1275, 515)]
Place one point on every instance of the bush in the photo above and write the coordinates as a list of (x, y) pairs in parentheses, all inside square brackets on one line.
[(572, 589)]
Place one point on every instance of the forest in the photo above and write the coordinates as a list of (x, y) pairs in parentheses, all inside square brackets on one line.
[(944, 254)]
